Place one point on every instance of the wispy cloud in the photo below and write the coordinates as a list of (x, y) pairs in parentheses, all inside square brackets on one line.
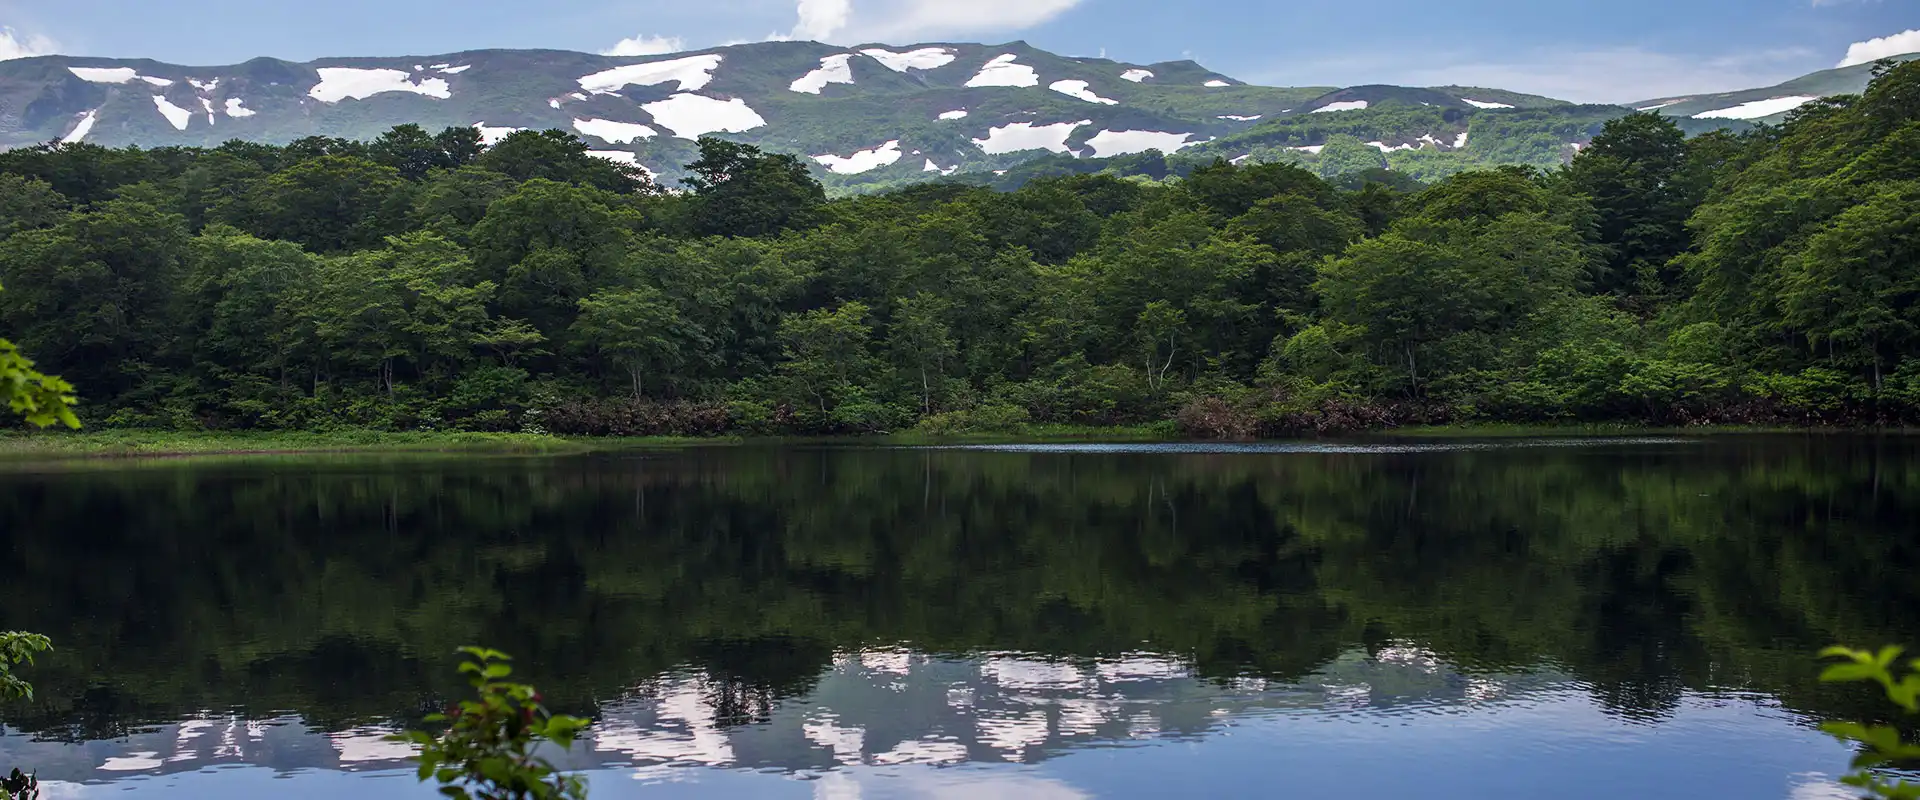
[(906, 21), (14, 45), (1875, 49), (1596, 75), (646, 46)]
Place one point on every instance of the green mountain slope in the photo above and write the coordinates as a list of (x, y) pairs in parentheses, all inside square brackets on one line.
[(1769, 104), (869, 117)]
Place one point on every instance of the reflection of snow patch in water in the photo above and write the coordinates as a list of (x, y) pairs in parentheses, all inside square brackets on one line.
[(368, 744), (1026, 673), (847, 744), (133, 762), (923, 751)]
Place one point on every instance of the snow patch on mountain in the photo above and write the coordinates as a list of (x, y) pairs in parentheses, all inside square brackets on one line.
[(208, 105), (862, 160), (1120, 143), (692, 73), (80, 131), (340, 83), (691, 116), (104, 74), (923, 58), (237, 108), (491, 135), (1344, 105), (1081, 90), (1388, 148), (1758, 108), (623, 157), (1017, 136), (1483, 103), (932, 167), (205, 86), (1216, 83), (1003, 71), (1662, 105), (160, 82), (833, 69), (1311, 148), (1238, 118), (1460, 142), (177, 116), (958, 113), (1136, 75), (454, 70), (614, 132)]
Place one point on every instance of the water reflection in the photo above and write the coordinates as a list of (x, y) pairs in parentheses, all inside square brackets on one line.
[(832, 622)]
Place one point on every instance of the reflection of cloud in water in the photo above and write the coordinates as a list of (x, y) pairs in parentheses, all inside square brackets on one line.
[(940, 785), (1025, 673), (1815, 786)]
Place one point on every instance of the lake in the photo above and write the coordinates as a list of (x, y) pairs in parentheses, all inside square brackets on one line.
[(1575, 618)]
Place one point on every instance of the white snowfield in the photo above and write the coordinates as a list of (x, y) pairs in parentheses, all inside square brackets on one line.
[(237, 108), (1460, 141), (1238, 118), (454, 70), (1120, 143), (1004, 71), (923, 58), (175, 115), (491, 135), (1388, 148), (862, 160), (932, 167), (1344, 105), (208, 105), (1758, 108), (1483, 103), (1136, 75), (1312, 148), (958, 113), (80, 131), (623, 157), (1081, 90), (1216, 83), (104, 74), (1017, 136), (613, 132), (160, 82), (691, 116), (692, 73), (340, 83), (1661, 105), (833, 69), (205, 86)]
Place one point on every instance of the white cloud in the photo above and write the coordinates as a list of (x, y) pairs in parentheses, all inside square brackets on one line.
[(820, 19), (14, 45), (842, 22), (646, 46), (1602, 75), (1875, 49)]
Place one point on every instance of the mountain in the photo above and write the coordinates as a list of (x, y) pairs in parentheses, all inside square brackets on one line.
[(1770, 104), (870, 117)]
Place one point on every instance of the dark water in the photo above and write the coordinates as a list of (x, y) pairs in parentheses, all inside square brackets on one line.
[(1574, 619)]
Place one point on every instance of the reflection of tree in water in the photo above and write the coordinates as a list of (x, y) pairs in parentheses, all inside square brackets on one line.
[(335, 590)]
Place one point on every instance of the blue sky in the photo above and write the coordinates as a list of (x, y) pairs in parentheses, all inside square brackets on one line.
[(1577, 49)]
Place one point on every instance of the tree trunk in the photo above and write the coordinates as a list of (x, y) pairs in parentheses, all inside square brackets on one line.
[(633, 371)]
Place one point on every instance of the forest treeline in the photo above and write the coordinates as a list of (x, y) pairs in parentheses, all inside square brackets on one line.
[(430, 281)]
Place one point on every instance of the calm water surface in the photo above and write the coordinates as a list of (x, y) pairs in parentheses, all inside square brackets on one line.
[(1625, 618)]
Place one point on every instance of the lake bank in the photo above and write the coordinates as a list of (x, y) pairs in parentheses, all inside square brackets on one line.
[(110, 444)]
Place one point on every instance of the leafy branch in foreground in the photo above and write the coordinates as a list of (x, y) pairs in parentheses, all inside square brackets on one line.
[(18, 648), (488, 749), (41, 399), (1880, 746)]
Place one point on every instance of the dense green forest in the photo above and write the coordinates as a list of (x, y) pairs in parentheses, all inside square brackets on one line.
[(426, 281)]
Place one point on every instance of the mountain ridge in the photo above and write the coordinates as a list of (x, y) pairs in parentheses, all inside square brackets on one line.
[(868, 117)]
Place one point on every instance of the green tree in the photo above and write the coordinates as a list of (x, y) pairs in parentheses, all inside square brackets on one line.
[(638, 330), (743, 191), (827, 352)]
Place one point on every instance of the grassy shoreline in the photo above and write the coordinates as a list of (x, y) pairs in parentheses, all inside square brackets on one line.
[(109, 444)]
